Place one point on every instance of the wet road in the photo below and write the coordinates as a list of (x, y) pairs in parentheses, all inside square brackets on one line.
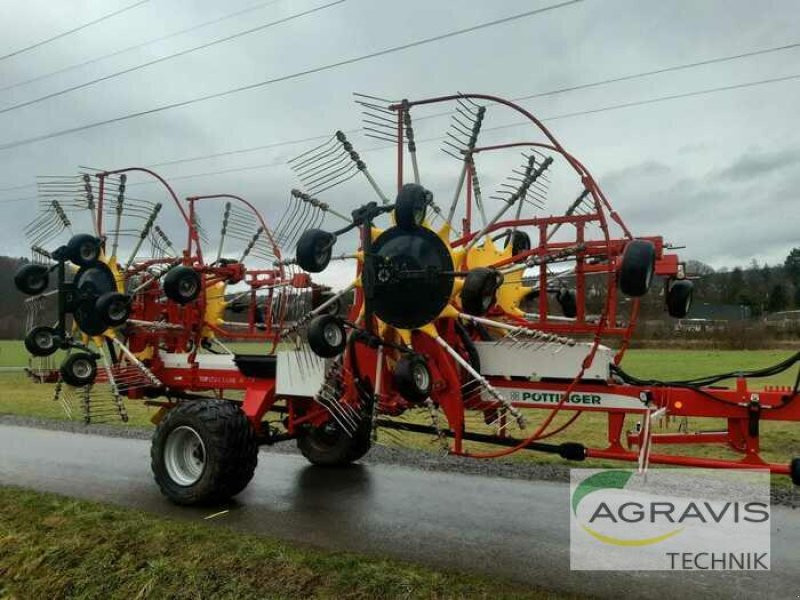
[(513, 529)]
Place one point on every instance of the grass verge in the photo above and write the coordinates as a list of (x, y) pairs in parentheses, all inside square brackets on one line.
[(54, 547)]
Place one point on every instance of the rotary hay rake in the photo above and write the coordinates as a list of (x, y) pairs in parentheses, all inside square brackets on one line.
[(470, 315)]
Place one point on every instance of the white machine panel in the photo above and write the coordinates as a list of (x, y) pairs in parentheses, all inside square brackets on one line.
[(538, 361), (204, 361), (299, 373)]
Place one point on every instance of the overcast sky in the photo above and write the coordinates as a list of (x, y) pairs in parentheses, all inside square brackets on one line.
[(717, 173)]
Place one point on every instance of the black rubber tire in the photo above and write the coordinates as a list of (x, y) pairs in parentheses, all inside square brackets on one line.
[(480, 290), (329, 446), (31, 279), (327, 336), (79, 369), (314, 250), (566, 300), (42, 341), (405, 380), (113, 308), (411, 206), (638, 268), (231, 451), (794, 470), (182, 284), (679, 298), (520, 242), (336, 308), (83, 250)]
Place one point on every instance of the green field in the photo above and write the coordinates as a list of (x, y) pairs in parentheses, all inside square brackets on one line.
[(780, 441), (54, 547)]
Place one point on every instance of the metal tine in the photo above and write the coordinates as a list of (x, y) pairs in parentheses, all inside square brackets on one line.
[(487, 386), (309, 163), (297, 159), (382, 138), (379, 135), (466, 152), (378, 107), (144, 234), (362, 167), (336, 178), (326, 188), (534, 174), (332, 179), (324, 170), (370, 97), (285, 235), (380, 119), (324, 207), (304, 224), (286, 212), (314, 163)]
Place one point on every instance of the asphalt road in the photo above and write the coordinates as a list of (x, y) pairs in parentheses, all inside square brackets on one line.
[(499, 527)]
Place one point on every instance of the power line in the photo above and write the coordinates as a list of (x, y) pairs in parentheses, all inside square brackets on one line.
[(295, 75), (74, 30), (592, 111), (169, 57), (315, 138), (550, 118), (143, 44), (496, 128), (629, 77), (692, 65)]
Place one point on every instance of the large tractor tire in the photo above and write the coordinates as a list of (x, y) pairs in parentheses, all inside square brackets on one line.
[(203, 452), (330, 446)]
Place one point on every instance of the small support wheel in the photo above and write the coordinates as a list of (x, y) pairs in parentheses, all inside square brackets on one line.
[(638, 267), (42, 341), (83, 250), (679, 298), (411, 205), (334, 308), (114, 308), (330, 446), (412, 378), (566, 300), (314, 250), (326, 336), (203, 452), (480, 290), (79, 369), (182, 284), (32, 279), (520, 242)]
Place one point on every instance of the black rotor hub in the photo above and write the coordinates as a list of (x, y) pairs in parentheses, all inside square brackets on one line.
[(408, 276)]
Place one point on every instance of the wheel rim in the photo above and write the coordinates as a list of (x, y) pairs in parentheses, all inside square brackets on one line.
[(187, 287), (333, 335), (82, 369), (184, 456), (43, 340), (34, 281), (649, 278), (118, 311), (88, 251), (422, 377), (322, 250)]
